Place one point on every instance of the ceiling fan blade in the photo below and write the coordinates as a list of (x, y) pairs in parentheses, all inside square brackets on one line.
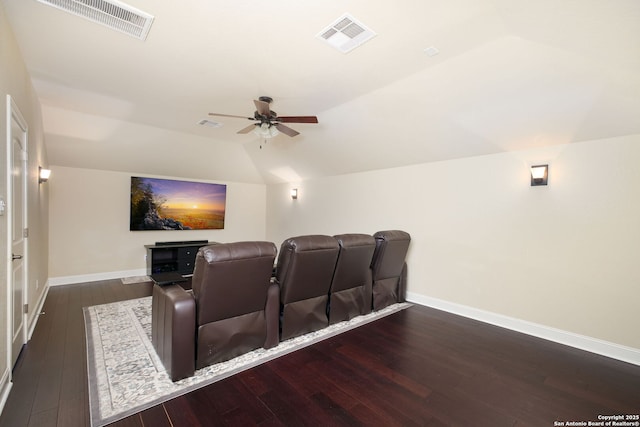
[(286, 130), (247, 129), (262, 107), (231, 115), (297, 119)]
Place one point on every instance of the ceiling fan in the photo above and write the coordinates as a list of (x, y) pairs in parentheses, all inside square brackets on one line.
[(268, 123)]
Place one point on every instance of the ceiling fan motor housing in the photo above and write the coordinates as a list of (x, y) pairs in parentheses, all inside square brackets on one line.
[(272, 116)]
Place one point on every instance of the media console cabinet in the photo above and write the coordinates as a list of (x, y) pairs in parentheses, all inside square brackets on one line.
[(178, 257)]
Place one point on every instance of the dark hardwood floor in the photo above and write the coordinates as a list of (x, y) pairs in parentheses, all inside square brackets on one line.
[(417, 367)]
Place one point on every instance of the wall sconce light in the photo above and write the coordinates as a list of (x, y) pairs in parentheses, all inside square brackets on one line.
[(539, 175), (294, 193), (43, 175)]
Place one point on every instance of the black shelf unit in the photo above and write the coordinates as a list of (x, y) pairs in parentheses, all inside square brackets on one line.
[(179, 257)]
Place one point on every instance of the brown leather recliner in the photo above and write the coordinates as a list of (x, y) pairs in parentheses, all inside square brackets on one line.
[(173, 320), (304, 272), (389, 268), (233, 309), (350, 292)]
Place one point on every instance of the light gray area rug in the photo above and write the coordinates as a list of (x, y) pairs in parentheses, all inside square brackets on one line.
[(135, 279), (126, 376)]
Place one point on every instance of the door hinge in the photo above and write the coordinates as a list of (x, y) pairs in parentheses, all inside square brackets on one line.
[(26, 309), (25, 232)]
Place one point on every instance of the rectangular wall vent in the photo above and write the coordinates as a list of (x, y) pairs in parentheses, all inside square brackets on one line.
[(110, 13), (346, 33)]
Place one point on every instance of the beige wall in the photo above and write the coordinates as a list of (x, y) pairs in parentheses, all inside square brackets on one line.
[(15, 81), (90, 237), (563, 256)]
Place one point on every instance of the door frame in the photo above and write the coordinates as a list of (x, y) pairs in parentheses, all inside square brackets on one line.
[(14, 114)]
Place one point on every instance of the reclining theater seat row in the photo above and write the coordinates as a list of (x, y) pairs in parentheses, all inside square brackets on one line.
[(325, 280), (236, 307)]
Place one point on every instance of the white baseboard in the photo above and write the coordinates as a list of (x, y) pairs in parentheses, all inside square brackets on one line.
[(582, 342), (95, 277), (36, 313), (5, 388), (5, 382)]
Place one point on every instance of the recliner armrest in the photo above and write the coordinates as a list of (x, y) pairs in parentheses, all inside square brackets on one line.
[(272, 315), (173, 329), (402, 284)]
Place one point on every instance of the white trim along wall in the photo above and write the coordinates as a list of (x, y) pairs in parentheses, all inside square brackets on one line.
[(583, 342)]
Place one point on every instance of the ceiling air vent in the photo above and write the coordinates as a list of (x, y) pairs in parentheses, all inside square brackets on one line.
[(346, 33), (209, 123), (112, 13)]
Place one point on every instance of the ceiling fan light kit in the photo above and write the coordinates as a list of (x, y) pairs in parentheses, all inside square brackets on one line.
[(265, 130), (268, 123)]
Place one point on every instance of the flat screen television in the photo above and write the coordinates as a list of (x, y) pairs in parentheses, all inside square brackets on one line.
[(166, 204)]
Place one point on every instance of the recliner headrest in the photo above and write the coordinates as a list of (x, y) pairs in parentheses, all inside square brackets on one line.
[(354, 239), (237, 250), (392, 235), (310, 243)]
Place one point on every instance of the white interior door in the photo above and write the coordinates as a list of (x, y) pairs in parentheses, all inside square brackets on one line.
[(18, 199)]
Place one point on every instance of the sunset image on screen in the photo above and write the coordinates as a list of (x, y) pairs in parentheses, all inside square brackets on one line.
[(164, 204)]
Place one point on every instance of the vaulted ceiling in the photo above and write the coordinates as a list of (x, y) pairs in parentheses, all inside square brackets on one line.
[(509, 75)]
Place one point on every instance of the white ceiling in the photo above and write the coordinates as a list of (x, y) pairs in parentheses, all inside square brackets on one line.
[(510, 75)]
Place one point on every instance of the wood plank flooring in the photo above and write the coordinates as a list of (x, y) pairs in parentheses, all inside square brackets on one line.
[(417, 367)]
